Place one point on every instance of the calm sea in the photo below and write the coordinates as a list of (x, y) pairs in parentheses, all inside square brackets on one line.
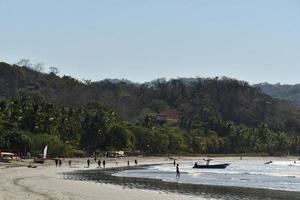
[(243, 179), (279, 175)]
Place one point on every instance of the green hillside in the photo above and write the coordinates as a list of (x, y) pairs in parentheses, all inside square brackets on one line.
[(218, 115), (282, 91)]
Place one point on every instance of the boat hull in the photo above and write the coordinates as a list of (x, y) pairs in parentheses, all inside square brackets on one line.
[(39, 161), (218, 166)]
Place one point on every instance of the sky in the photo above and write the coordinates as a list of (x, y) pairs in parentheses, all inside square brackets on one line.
[(252, 40)]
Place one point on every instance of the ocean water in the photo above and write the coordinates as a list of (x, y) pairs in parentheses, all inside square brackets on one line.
[(247, 179), (249, 173)]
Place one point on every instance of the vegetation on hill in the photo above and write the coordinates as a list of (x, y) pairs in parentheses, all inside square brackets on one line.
[(216, 116), (282, 91)]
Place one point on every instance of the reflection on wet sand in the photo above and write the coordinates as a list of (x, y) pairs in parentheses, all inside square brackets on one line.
[(206, 191)]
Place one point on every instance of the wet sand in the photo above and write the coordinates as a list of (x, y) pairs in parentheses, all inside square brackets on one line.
[(195, 190), (78, 182), (48, 182)]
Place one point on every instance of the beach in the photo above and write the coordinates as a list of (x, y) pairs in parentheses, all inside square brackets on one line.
[(47, 182)]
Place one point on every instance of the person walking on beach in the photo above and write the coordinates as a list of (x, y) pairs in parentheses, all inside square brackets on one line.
[(88, 163), (99, 163), (59, 162), (70, 163), (128, 163), (56, 162), (174, 162), (135, 161), (95, 158), (103, 163), (177, 171)]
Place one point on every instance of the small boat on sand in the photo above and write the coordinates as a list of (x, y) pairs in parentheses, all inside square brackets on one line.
[(208, 166), (42, 157), (39, 160)]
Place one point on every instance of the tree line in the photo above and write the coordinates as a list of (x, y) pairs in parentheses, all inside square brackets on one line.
[(217, 115), (28, 123)]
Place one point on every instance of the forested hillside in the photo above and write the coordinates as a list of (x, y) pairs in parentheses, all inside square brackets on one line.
[(282, 91), (219, 115)]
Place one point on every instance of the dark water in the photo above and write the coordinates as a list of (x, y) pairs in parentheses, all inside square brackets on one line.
[(198, 190)]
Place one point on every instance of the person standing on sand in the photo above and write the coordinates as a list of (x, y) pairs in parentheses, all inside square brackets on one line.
[(95, 158), (177, 171), (99, 163), (135, 161), (70, 163), (59, 162), (88, 163), (56, 162), (174, 162), (128, 163), (103, 163)]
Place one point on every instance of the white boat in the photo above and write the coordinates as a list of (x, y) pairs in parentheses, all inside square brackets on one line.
[(41, 159)]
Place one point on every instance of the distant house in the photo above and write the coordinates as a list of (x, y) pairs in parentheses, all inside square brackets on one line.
[(168, 116)]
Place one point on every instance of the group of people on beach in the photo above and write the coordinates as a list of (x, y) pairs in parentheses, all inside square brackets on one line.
[(135, 162), (98, 162), (58, 162), (104, 162)]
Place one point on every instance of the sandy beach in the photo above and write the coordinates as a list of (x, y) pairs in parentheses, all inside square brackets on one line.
[(47, 182)]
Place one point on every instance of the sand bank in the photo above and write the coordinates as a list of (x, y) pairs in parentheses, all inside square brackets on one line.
[(47, 182)]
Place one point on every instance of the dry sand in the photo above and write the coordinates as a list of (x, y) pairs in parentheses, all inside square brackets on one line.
[(47, 182)]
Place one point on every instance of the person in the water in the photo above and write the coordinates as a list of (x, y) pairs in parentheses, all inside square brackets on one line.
[(195, 165), (177, 171), (88, 163)]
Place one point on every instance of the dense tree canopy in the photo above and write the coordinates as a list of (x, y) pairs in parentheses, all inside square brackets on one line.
[(216, 116), (27, 124)]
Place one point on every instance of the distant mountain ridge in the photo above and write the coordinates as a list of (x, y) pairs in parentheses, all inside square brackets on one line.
[(282, 91)]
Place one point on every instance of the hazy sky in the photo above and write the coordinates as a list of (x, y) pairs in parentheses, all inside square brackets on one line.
[(140, 40)]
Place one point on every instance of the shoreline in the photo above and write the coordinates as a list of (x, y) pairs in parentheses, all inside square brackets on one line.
[(46, 182), (207, 191), (50, 182)]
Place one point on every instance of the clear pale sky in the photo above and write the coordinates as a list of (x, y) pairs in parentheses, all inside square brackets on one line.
[(140, 40)]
